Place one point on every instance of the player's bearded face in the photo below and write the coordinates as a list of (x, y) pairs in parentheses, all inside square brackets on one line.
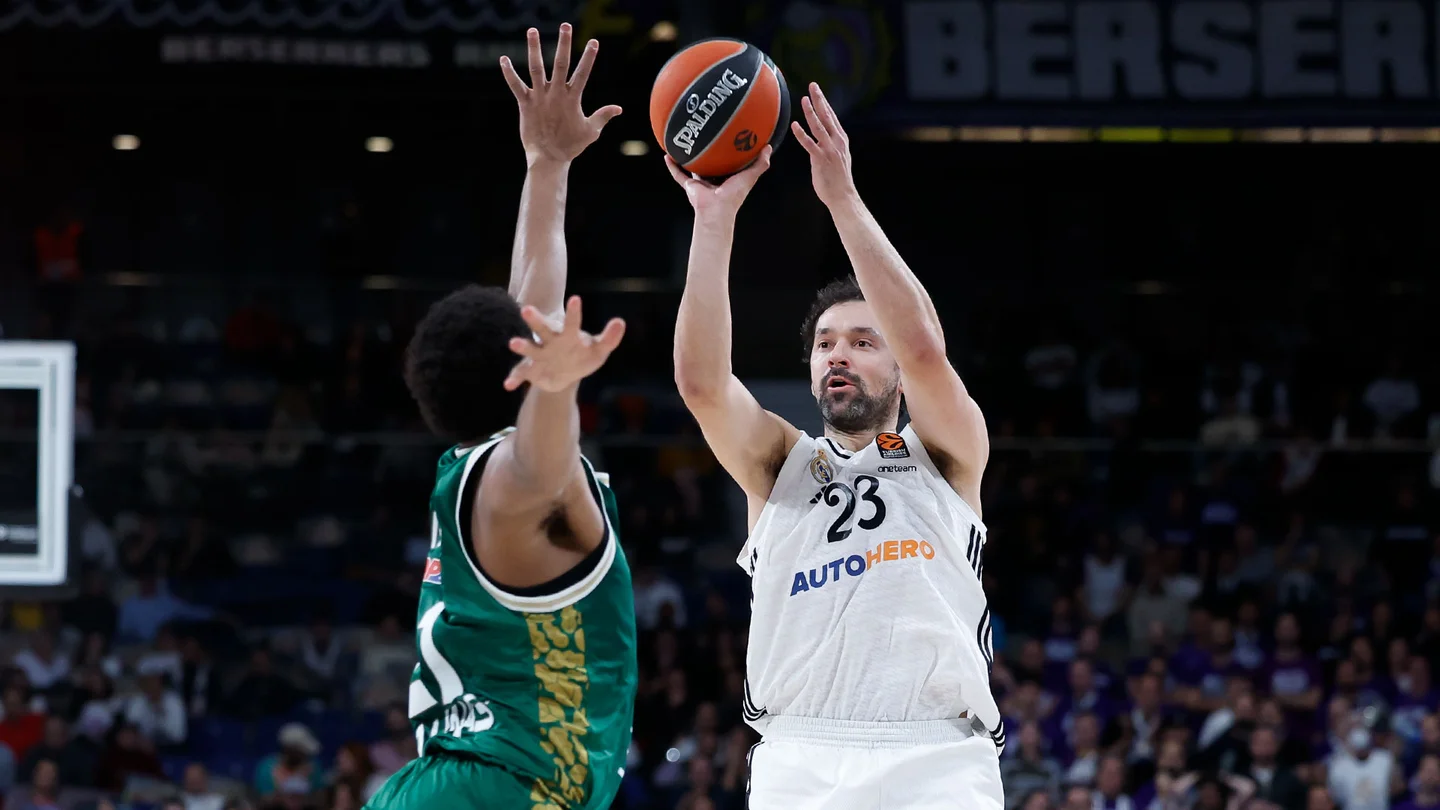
[(858, 407)]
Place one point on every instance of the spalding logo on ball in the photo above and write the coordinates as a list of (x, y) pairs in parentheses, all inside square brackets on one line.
[(715, 103)]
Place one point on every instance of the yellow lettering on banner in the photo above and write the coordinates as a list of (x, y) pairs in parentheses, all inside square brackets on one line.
[(558, 649)]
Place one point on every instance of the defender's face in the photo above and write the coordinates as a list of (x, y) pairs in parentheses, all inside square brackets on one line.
[(853, 375)]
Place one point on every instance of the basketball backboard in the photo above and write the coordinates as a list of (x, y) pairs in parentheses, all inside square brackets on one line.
[(37, 391)]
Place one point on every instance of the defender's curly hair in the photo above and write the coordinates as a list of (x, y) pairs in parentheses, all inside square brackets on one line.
[(456, 363)]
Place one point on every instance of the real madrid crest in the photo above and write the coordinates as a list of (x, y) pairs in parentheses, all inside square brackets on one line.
[(820, 468)]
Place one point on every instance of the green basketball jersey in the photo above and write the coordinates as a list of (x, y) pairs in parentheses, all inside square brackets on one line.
[(539, 684)]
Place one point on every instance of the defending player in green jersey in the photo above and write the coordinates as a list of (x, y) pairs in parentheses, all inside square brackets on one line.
[(525, 690)]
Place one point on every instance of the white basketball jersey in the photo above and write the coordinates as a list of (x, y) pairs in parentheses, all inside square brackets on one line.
[(866, 597)]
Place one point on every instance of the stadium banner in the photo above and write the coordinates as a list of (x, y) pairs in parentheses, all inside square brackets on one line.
[(893, 63), (249, 42), (1114, 62)]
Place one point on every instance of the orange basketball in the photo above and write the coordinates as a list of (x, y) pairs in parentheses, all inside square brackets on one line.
[(716, 103)]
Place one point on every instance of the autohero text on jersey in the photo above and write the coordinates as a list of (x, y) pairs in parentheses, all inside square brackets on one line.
[(856, 564)]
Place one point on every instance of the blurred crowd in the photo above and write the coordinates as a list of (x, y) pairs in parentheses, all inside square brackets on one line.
[(1245, 618)]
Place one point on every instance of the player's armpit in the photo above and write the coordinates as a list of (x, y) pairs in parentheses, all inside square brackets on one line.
[(750, 442), (949, 423), (527, 532)]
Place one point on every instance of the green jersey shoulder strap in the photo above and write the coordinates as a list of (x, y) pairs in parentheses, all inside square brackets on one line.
[(563, 591)]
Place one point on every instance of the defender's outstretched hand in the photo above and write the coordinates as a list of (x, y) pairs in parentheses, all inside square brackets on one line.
[(564, 354), (829, 148), (725, 198), (552, 124)]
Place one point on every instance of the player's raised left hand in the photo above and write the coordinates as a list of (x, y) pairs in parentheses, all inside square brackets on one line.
[(552, 124), (829, 148), (564, 354)]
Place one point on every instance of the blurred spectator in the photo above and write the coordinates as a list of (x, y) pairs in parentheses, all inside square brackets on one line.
[(127, 753), (152, 607), (1104, 588), (354, 768), (657, 598), (1156, 614), (292, 771), (74, 759), (1393, 397), (21, 728), (157, 712), (398, 746), (195, 790), (44, 792), (44, 666), (261, 691), (323, 654), (1425, 793), (1027, 768), (163, 657), (1361, 776), (199, 683), (1275, 782), (385, 664), (343, 796)]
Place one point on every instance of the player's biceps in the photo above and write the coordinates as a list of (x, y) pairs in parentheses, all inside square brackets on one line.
[(737, 455)]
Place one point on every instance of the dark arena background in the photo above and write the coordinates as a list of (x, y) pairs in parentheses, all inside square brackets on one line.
[(1185, 253)]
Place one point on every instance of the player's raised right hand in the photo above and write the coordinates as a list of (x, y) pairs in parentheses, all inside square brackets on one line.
[(561, 355), (709, 199)]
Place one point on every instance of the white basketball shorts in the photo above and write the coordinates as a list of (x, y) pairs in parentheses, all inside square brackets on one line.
[(809, 764)]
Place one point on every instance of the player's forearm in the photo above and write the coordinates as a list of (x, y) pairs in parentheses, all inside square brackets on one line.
[(538, 259), (702, 329), (903, 308), (546, 444)]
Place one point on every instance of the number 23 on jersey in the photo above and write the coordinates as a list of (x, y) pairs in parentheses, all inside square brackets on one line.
[(838, 493)]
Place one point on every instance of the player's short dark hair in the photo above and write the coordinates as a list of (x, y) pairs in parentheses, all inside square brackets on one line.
[(839, 291), (457, 362)]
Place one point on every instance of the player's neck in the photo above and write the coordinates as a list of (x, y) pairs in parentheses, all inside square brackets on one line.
[(854, 442)]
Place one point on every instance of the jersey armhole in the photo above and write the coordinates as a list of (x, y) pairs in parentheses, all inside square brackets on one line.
[(794, 466), (562, 591), (922, 455)]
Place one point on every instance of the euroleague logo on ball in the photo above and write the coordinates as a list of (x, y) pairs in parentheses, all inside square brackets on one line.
[(692, 103), (745, 140)]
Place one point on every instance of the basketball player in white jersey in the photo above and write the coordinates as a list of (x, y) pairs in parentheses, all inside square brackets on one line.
[(868, 665)]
